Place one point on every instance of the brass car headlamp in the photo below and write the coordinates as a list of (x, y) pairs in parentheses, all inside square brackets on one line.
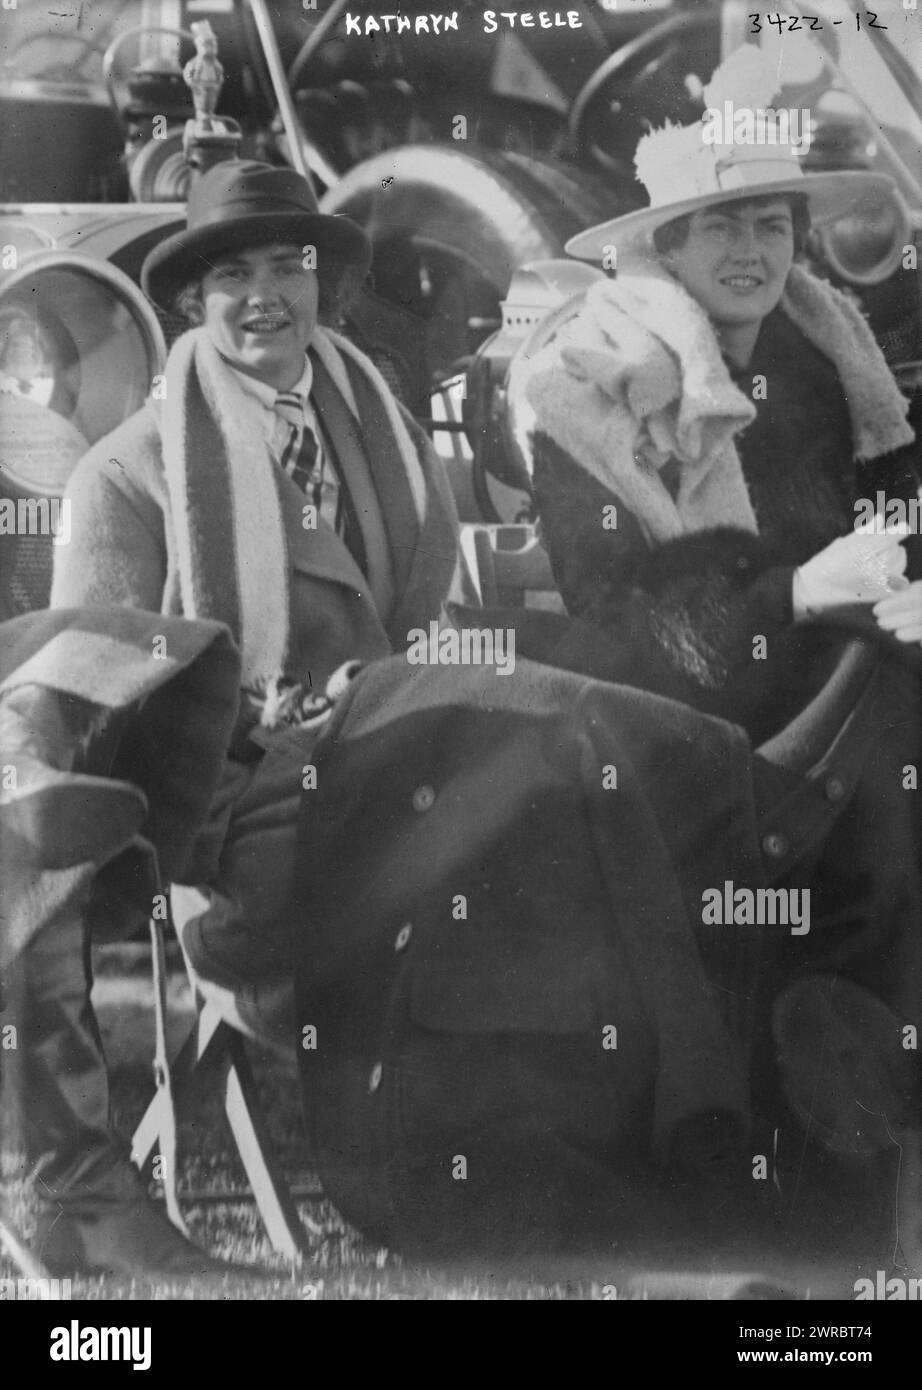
[(867, 247), (79, 346)]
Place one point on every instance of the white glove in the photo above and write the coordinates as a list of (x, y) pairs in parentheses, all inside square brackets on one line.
[(860, 568), (901, 613)]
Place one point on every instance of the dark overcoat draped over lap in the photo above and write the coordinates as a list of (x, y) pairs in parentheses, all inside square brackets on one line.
[(564, 1025)]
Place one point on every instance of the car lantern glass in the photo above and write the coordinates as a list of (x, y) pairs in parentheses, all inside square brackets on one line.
[(867, 247), (79, 346)]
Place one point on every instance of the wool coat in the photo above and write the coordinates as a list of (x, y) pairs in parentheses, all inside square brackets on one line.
[(676, 495), (181, 510), (515, 1030), (694, 583), (689, 594)]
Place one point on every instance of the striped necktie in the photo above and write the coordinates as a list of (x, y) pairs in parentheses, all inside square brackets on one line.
[(306, 467), (303, 465)]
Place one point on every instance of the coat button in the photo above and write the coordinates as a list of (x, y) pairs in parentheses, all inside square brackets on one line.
[(403, 937), (834, 788), (423, 798), (775, 846), (374, 1081)]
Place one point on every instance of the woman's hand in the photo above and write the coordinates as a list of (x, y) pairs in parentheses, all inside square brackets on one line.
[(901, 613), (863, 567)]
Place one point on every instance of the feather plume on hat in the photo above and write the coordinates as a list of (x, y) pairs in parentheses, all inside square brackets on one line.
[(659, 153), (682, 170), (748, 77)]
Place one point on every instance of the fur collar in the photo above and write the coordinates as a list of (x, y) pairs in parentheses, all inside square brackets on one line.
[(832, 322), (636, 378)]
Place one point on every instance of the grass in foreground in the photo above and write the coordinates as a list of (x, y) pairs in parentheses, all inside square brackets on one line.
[(340, 1263)]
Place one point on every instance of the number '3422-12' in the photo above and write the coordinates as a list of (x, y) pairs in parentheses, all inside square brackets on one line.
[(792, 23)]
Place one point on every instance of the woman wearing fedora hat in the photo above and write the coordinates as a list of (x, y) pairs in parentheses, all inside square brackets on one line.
[(271, 484), (278, 488), (703, 426)]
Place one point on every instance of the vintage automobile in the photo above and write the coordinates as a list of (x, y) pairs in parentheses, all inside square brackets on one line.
[(471, 157)]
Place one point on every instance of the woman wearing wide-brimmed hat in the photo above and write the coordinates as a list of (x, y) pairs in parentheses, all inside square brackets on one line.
[(704, 425), (715, 383)]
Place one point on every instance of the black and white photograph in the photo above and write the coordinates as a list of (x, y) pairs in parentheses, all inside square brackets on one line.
[(460, 661)]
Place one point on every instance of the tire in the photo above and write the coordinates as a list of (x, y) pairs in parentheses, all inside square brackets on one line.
[(491, 210), (580, 197), (449, 229)]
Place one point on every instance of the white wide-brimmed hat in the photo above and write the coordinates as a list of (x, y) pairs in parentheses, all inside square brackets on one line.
[(683, 172)]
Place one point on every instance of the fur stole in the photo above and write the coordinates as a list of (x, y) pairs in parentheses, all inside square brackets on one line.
[(636, 378)]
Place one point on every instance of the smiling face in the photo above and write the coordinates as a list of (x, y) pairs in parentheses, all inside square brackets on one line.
[(736, 259), (260, 310)]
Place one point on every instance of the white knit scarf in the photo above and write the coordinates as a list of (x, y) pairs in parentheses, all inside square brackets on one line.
[(224, 490)]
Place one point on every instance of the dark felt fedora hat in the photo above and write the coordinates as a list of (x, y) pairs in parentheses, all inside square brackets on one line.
[(243, 203)]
